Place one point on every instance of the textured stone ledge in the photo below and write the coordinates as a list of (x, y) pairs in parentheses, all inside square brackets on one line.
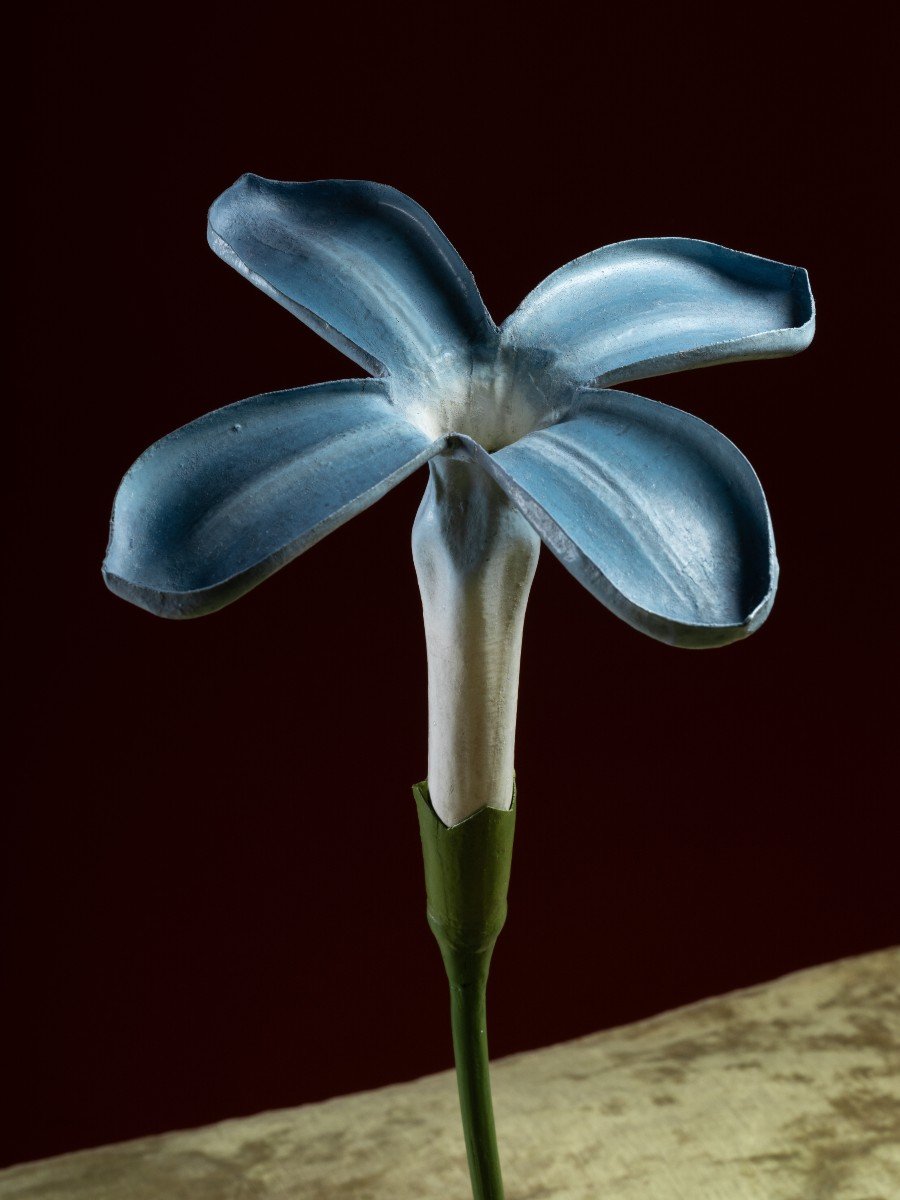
[(787, 1091)]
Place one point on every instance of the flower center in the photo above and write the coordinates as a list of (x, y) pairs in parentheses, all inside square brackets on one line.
[(494, 397)]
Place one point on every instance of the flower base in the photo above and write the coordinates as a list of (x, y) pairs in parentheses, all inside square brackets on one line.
[(467, 870)]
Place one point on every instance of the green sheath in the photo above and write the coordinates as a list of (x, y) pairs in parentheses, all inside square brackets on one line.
[(466, 880)]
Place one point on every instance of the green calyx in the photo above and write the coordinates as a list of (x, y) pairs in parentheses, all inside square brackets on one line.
[(466, 876), (467, 870)]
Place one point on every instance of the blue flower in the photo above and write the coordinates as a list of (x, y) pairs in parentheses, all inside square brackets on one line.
[(529, 441)]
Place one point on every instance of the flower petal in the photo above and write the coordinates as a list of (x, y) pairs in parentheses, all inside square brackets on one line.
[(362, 264), (211, 510), (655, 512), (655, 305)]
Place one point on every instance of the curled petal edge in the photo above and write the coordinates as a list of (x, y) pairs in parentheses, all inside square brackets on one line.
[(666, 629), (360, 263), (175, 603), (573, 315)]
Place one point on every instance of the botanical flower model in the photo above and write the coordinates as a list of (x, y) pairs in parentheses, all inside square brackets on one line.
[(656, 513)]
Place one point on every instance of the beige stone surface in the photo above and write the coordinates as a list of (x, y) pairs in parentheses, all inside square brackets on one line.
[(787, 1091)]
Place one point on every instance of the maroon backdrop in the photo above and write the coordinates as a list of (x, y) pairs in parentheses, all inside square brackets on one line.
[(213, 900)]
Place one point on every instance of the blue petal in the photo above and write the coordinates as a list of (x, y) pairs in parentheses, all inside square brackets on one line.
[(362, 264), (655, 512), (211, 510), (655, 305)]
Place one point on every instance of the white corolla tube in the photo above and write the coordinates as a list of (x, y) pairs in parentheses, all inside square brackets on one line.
[(475, 557)]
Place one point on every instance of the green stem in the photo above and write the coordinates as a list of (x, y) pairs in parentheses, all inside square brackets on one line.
[(470, 1048), (466, 879)]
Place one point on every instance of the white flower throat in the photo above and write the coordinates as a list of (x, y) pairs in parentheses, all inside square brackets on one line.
[(494, 396)]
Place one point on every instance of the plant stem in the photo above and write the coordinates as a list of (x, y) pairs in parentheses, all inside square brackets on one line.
[(468, 985), (466, 878)]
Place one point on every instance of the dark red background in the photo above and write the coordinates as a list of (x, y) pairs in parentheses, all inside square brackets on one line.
[(214, 898)]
